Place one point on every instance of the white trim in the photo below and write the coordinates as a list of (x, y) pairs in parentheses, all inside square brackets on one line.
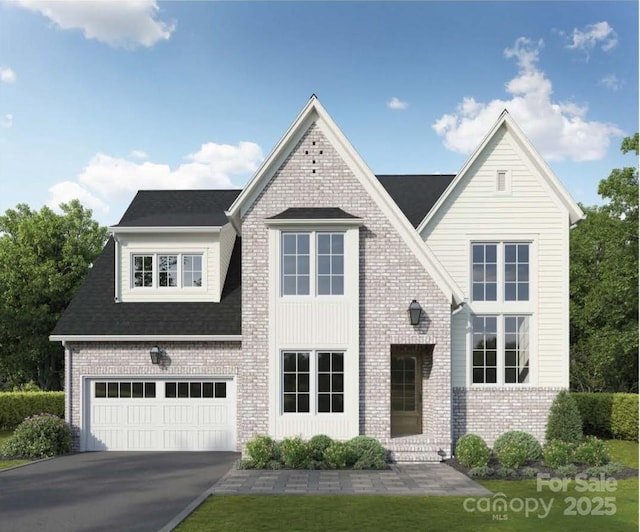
[(575, 212), (166, 229), (315, 112), (145, 338)]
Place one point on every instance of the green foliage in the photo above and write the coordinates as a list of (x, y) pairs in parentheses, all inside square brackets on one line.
[(604, 287), (366, 452), (481, 472), (612, 468), (558, 453), (515, 448), (472, 451), (528, 472), (592, 451), (569, 470), (245, 463), (44, 257), (260, 451), (317, 445), (506, 472), (39, 436), (294, 453), (564, 422), (17, 406), (609, 415), (336, 455)]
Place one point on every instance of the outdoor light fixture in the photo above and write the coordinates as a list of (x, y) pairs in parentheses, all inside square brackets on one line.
[(415, 310), (155, 353)]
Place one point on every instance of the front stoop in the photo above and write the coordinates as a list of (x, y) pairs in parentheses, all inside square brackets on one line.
[(418, 448)]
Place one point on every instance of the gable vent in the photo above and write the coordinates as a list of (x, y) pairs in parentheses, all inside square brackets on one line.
[(501, 181)]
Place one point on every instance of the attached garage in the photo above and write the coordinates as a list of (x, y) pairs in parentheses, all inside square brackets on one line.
[(172, 414)]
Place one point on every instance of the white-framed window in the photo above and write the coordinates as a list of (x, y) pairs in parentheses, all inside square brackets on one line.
[(312, 382), (312, 263), (500, 271), (166, 270), (503, 181), (501, 352)]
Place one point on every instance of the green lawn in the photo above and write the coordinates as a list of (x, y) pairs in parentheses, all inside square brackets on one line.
[(364, 513), (4, 464)]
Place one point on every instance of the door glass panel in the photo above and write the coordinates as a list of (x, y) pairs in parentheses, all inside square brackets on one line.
[(101, 389)]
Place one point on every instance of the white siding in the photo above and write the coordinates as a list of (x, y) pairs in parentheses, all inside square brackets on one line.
[(227, 241), (207, 244), (530, 210)]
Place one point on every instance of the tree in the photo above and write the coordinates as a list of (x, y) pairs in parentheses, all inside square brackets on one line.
[(44, 258), (604, 286)]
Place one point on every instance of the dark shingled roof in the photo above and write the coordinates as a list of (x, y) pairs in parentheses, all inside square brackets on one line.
[(178, 208), (415, 194), (313, 213), (94, 312)]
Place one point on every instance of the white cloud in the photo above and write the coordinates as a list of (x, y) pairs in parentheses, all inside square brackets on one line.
[(115, 22), (138, 154), (559, 130), (611, 81), (7, 75), (67, 190), (7, 121), (593, 35), (396, 104), (109, 179)]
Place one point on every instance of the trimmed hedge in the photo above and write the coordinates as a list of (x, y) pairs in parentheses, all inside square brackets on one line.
[(15, 407), (609, 415)]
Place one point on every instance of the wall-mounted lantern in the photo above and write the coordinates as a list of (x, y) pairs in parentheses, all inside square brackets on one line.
[(156, 355), (415, 311)]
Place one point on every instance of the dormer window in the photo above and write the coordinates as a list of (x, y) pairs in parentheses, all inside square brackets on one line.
[(173, 271)]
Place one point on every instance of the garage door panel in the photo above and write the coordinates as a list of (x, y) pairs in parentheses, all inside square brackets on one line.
[(134, 414)]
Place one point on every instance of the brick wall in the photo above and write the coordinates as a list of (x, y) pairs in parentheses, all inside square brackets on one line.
[(314, 175), (489, 412), (122, 359)]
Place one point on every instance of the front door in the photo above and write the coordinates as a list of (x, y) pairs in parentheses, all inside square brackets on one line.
[(406, 395)]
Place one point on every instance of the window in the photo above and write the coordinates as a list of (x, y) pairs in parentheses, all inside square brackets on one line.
[(173, 271), (312, 382), (500, 272), (500, 352), (298, 268), (143, 270), (195, 390), (124, 390), (330, 264), (295, 264), (403, 384)]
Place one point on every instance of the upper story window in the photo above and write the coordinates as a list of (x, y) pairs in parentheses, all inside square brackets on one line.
[(312, 263), (500, 271), (167, 271)]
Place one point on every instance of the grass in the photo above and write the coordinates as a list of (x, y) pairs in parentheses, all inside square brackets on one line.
[(5, 464), (364, 513)]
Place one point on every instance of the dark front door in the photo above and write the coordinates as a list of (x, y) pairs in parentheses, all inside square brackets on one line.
[(406, 395)]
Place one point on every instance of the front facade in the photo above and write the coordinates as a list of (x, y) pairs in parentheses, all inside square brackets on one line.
[(282, 309)]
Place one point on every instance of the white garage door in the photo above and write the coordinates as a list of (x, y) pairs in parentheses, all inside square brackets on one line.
[(161, 415)]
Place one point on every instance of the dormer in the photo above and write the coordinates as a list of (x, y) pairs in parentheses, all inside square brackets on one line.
[(173, 245)]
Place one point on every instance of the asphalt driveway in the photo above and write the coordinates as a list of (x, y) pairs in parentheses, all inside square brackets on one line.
[(133, 491)]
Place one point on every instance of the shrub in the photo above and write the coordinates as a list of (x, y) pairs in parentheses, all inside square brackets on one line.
[(528, 472), (608, 469), (568, 470), (592, 451), (260, 451), (245, 463), (609, 415), (317, 445), (274, 464), (39, 436), (472, 451), (366, 452), (481, 472), (294, 453), (558, 453), (17, 406), (336, 455), (515, 448), (506, 472), (564, 422)]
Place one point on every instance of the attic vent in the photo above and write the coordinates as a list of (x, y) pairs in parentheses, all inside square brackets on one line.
[(501, 181)]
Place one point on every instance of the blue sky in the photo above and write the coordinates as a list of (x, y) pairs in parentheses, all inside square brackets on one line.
[(101, 98)]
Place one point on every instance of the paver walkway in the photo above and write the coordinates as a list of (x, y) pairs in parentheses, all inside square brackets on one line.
[(401, 479)]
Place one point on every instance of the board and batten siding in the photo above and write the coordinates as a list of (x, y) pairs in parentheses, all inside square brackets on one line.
[(528, 211), (207, 244)]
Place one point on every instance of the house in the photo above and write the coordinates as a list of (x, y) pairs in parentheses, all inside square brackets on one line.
[(323, 299)]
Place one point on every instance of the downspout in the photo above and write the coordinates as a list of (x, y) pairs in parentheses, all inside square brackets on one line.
[(117, 268), (458, 308), (68, 388)]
